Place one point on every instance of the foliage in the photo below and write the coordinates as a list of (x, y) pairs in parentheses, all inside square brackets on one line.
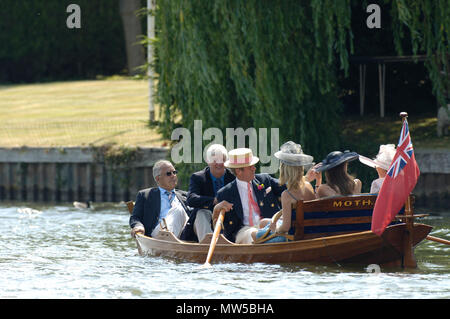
[(277, 63), (428, 25), (37, 45), (119, 160), (253, 64), (117, 156)]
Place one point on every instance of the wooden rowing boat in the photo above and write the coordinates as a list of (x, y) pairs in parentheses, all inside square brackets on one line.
[(335, 229)]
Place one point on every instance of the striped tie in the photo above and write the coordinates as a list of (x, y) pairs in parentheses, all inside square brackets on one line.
[(170, 195), (252, 206)]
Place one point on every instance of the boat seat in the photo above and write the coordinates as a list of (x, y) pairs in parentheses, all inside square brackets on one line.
[(167, 236), (335, 216), (220, 240)]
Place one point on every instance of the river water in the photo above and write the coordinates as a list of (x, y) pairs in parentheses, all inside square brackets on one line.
[(62, 252)]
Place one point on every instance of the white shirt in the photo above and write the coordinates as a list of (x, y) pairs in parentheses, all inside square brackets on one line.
[(166, 205), (243, 194), (376, 185)]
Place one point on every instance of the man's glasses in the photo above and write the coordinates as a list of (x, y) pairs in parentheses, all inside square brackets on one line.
[(172, 172)]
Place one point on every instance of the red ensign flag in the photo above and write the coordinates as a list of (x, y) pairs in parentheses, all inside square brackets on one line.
[(397, 185)]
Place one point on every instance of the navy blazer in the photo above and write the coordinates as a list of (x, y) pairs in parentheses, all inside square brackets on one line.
[(268, 202), (201, 196), (147, 208), (201, 190)]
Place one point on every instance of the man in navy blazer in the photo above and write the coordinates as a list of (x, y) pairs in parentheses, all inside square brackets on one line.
[(202, 194), (160, 207), (248, 199)]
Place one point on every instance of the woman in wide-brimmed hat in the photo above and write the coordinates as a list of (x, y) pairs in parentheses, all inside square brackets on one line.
[(292, 164), (381, 163), (339, 182)]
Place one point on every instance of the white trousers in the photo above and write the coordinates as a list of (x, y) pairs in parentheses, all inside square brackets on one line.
[(244, 235), (202, 224), (175, 219)]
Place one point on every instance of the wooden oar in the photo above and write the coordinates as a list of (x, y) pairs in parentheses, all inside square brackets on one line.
[(439, 240), (214, 238)]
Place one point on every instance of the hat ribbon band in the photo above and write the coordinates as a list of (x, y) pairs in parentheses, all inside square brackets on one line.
[(241, 159)]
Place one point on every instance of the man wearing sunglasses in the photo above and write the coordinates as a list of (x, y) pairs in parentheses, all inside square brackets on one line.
[(160, 208)]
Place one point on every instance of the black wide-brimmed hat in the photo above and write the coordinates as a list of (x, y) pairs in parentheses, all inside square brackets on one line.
[(336, 158)]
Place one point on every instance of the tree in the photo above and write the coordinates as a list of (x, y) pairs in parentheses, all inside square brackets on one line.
[(132, 29), (275, 63)]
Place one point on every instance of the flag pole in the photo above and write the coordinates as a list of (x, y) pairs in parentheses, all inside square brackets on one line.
[(409, 261)]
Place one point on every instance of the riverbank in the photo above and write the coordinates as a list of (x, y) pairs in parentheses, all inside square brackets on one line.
[(48, 128), (77, 113), (365, 134), (374, 130), (104, 175), (115, 111)]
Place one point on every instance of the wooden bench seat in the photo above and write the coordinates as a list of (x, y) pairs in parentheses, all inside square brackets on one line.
[(334, 216)]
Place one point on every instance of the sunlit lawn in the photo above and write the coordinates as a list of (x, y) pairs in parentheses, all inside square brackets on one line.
[(115, 111), (76, 113)]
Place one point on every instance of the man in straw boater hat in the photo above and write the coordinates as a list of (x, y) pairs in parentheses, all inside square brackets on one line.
[(248, 199), (381, 163)]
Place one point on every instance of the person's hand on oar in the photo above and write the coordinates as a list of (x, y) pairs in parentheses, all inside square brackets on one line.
[(137, 230), (223, 205), (218, 214)]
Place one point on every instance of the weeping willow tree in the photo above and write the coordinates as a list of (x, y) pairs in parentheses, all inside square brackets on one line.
[(427, 24), (267, 64)]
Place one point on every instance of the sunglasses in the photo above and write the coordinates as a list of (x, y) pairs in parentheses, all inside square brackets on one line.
[(170, 173)]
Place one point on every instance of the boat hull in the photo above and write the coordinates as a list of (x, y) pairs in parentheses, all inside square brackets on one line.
[(360, 247)]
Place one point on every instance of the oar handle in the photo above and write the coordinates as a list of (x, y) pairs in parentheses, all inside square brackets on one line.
[(215, 237), (438, 240)]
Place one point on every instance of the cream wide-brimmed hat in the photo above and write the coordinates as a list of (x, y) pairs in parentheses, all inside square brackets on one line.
[(292, 154), (241, 157), (383, 159)]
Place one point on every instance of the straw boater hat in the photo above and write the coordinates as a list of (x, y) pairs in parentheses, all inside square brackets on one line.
[(384, 157), (241, 157), (336, 158), (292, 154)]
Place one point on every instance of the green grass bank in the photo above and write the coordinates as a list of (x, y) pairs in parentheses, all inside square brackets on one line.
[(77, 113), (115, 111)]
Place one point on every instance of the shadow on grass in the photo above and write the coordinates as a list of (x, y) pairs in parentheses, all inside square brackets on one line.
[(374, 130), (365, 134)]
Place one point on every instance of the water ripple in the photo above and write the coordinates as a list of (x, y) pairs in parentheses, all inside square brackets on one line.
[(62, 252)]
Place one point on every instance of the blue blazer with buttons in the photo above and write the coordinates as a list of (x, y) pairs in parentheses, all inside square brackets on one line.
[(201, 195), (268, 202)]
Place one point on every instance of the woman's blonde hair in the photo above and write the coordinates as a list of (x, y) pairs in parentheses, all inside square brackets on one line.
[(292, 176)]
